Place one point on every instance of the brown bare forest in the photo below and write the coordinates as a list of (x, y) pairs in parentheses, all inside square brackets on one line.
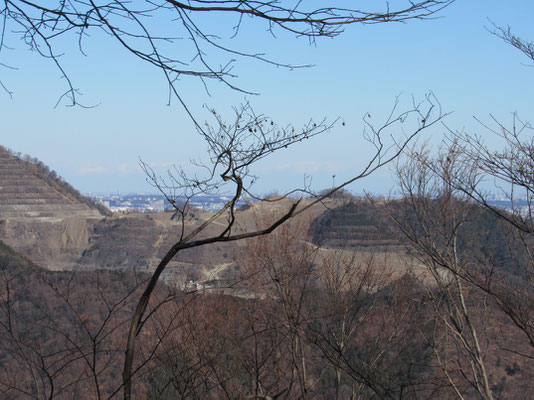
[(350, 320)]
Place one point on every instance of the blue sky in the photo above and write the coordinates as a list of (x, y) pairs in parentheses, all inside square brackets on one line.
[(471, 72)]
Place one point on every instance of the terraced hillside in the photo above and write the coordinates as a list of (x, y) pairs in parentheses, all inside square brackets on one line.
[(30, 191), (355, 225)]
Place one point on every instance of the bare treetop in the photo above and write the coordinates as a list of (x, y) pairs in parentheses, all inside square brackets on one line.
[(147, 29), (506, 34)]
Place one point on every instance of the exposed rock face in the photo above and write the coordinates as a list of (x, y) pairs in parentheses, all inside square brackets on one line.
[(41, 216), (121, 242), (55, 227), (53, 244), (48, 221), (139, 242)]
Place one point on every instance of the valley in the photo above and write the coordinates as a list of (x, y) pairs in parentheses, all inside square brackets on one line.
[(72, 273)]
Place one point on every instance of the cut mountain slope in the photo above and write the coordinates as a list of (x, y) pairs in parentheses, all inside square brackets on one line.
[(30, 191)]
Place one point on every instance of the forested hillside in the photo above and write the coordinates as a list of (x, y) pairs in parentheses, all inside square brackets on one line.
[(310, 325)]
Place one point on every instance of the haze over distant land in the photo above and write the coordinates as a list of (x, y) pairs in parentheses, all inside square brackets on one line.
[(470, 71)]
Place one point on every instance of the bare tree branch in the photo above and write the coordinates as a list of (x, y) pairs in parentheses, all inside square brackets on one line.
[(233, 148), (131, 26)]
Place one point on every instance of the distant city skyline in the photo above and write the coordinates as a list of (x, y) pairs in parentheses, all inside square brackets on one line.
[(142, 202), (470, 71)]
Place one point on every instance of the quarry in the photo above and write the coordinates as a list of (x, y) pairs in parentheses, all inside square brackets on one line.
[(49, 222)]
